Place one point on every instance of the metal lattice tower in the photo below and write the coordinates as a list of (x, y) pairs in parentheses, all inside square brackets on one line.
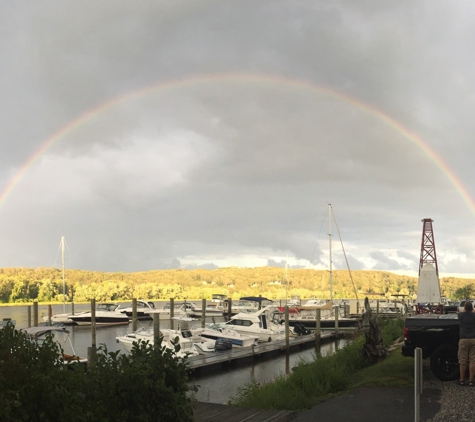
[(428, 254)]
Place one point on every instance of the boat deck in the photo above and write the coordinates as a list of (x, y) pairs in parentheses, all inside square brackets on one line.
[(236, 353)]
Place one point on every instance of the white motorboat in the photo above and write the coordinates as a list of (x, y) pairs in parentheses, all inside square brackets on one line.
[(213, 309), (106, 314), (60, 335), (238, 306), (216, 331), (144, 309), (258, 324), (186, 346), (7, 321), (179, 310), (388, 308), (190, 341)]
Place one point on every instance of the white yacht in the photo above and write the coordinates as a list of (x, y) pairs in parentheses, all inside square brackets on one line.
[(238, 306), (216, 331), (179, 310), (213, 308), (106, 314), (145, 309), (190, 341), (259, 324), (60, 335)]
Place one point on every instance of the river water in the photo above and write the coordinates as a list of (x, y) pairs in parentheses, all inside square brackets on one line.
[(215, 384)]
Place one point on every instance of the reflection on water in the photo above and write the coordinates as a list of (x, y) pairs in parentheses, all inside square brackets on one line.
[(216, 385)]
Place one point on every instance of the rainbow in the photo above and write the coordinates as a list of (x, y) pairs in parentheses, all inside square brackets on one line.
[(274, 81)]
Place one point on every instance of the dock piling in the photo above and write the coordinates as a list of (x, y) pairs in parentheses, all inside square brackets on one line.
[(156, 329), (172, 311), (35, 314), (134, 314), (318, 329), (92, 351)]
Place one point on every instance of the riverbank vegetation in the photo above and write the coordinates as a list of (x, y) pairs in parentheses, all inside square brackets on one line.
[(313, 382), (25, 285), (36, 385)]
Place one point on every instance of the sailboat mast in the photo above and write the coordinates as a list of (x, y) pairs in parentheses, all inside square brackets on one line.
[(286, 282), (64, 283), (330, 249)]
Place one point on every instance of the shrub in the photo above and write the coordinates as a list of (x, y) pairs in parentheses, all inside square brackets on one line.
[(150, 384)]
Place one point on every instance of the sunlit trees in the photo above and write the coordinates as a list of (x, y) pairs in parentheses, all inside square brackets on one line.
[(45, 284)]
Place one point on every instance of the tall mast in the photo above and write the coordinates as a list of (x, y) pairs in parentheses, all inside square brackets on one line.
[(330, 249), (286, 282), (64, 283)]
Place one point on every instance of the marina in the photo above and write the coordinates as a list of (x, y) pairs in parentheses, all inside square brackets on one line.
[(219, 374)]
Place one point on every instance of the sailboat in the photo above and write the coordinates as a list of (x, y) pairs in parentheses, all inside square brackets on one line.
[(62, 318), (306, 315)]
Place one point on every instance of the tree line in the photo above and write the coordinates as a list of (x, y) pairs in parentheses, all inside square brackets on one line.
[(21, 285)]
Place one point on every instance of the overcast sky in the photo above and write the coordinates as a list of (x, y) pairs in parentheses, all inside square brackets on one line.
[(223, 129)]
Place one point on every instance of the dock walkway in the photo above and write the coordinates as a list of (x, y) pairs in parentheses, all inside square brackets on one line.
[(235, 353)]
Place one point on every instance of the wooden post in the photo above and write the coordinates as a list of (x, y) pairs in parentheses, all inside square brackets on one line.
[(50, 312), (29, 316), (134, 314), (203, 312), (336, 311), (93, 322), (172, 311), (230, 307), (357, 307), (72, 308), (287, 329), (318, 329), (92, 351), (35, 314), (260, 302), (156, 330), (377, 308)]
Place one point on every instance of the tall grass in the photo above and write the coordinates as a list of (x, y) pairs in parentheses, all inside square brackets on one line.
[(313, 382)]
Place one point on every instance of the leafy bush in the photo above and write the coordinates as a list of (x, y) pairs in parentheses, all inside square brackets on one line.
[(391, 329), (150, 384)]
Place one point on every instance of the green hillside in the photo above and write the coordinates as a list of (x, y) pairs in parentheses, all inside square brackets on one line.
[(19, 285)]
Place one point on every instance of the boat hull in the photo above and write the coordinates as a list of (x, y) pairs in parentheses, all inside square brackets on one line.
[(311, 324)]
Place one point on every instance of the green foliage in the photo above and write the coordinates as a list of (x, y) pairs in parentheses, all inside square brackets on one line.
[(391, 329), (310, 383), (45, 284), (464, 292), (150, 384)]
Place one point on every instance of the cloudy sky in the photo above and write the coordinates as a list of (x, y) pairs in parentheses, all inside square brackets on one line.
[(183, 133)]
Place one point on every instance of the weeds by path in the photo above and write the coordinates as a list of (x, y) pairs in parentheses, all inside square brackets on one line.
[(313, 382)]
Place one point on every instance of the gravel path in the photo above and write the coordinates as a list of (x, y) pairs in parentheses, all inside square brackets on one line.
[(457, 402)]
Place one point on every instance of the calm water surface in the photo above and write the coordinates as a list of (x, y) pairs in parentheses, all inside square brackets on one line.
[(216, 385)]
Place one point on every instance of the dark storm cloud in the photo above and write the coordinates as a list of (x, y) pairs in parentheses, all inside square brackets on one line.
[(234, 168)]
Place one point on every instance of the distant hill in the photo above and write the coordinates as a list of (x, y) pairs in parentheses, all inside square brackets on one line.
[(46, 284)]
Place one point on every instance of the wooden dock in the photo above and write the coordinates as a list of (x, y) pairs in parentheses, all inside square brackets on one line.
[(210, 412), (214, 358)]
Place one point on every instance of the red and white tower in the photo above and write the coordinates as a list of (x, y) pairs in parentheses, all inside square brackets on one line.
[(428, 286), (428, 254)]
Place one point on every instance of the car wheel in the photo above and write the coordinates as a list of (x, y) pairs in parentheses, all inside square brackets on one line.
[(444, 362)]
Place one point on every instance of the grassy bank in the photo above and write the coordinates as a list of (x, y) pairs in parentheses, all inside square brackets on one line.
[(326, 377)]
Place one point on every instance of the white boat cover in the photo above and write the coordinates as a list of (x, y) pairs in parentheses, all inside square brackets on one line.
[(428, 287)]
